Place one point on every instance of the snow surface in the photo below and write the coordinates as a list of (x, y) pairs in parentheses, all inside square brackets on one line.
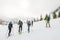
[(38, 31)]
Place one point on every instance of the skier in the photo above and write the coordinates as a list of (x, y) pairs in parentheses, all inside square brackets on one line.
[(32, 23), (10, 25), (47, 19), (20, 23), (28, 24)]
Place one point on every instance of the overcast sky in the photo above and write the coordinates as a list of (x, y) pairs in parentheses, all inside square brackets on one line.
[(27, 8)]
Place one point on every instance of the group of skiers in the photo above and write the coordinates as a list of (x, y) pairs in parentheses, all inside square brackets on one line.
[(29, 23), (20, 23)]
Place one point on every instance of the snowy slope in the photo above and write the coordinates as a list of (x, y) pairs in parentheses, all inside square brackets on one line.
[(37, 32)]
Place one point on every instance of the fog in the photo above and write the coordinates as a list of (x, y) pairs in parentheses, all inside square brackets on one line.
[(27, 8)]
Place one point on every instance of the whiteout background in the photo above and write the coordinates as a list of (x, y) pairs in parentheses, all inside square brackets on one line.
[(27, 8)]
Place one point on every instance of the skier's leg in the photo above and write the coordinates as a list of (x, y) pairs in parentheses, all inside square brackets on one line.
[(21, 28), (28, 29), (49, 24), (46, 24), (9, 31)]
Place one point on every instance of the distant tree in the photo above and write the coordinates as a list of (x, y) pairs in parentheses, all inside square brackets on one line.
[(59, 14), (41, 18), (54, 15), (54, 12)]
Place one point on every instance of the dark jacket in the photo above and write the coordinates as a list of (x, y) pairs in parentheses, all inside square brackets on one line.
[(10, 25), (20, 23), (28, 23)]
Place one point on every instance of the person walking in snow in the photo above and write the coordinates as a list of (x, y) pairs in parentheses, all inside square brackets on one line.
[(28, 24), (20, 23), (47, 19), (10, 25), (32, 23)]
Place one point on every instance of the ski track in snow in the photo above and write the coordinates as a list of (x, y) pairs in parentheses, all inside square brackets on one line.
[(37, 32)]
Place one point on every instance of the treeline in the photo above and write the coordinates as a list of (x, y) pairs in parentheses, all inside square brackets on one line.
[(54, 15)]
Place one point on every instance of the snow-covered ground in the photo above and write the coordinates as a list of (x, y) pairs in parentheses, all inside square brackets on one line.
[(37, 32)]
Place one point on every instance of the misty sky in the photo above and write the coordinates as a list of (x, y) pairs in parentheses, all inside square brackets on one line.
[(27, 8)]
